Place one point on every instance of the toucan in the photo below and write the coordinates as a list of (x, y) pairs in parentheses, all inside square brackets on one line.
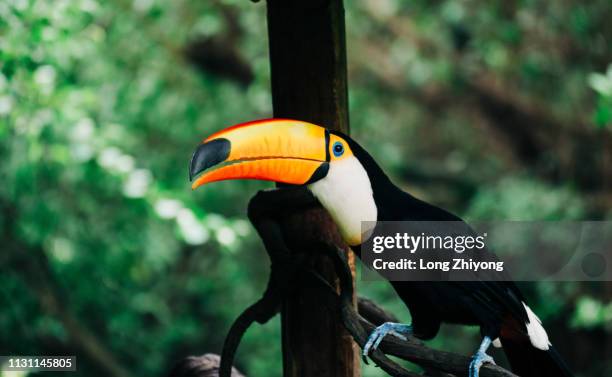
[(353, 188)]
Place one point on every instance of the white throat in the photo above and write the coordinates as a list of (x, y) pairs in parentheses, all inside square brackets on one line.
[(346, 193)]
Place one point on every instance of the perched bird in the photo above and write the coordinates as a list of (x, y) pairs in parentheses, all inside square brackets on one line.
[(351, 186)]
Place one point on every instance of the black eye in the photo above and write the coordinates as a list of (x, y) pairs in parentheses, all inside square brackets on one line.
[(338, 149)]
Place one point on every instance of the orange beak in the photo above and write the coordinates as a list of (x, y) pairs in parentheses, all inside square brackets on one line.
[(279, 150)]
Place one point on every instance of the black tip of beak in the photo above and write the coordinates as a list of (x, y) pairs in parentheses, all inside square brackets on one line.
[(207, 155)]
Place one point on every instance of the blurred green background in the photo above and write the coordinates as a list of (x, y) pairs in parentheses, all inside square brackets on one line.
[(492, 109)]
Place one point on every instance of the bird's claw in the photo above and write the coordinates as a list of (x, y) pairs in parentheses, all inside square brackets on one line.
[(397, 335), (477, 361), (395, 329)]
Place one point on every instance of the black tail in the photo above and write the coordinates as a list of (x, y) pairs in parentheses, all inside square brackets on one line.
[(528, 361)]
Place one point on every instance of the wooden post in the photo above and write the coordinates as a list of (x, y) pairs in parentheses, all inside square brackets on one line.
[(308, 63)]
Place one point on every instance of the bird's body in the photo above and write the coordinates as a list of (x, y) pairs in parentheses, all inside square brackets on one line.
[(496, 306), (354, 189), (434, 302)]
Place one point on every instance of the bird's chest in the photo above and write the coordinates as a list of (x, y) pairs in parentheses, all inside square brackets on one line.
[(346, 193), (349, 209)]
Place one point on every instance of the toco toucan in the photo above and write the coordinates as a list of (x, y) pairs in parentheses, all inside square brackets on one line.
[(351, 186)]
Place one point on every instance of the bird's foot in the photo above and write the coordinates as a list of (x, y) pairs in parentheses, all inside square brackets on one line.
[(477, 361), (397, 329)]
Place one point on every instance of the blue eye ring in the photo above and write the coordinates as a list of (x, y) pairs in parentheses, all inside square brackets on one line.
[(338, 149)]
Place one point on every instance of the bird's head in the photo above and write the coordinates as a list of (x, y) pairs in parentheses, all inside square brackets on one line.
[(298, 153)]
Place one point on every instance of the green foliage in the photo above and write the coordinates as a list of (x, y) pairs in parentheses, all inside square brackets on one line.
[(514, 198), (99, 118), (591, 313), (602, 85), (100, 110)]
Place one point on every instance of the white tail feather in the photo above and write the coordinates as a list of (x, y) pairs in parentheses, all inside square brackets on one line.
[(535, 330)]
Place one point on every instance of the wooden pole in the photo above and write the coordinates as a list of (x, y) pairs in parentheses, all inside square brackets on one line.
[(309, 82)]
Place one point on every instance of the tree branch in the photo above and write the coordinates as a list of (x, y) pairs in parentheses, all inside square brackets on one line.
[(337, 297), (207, 365), (412, 349)]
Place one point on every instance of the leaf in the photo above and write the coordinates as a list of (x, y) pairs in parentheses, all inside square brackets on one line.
[(600, 83)]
